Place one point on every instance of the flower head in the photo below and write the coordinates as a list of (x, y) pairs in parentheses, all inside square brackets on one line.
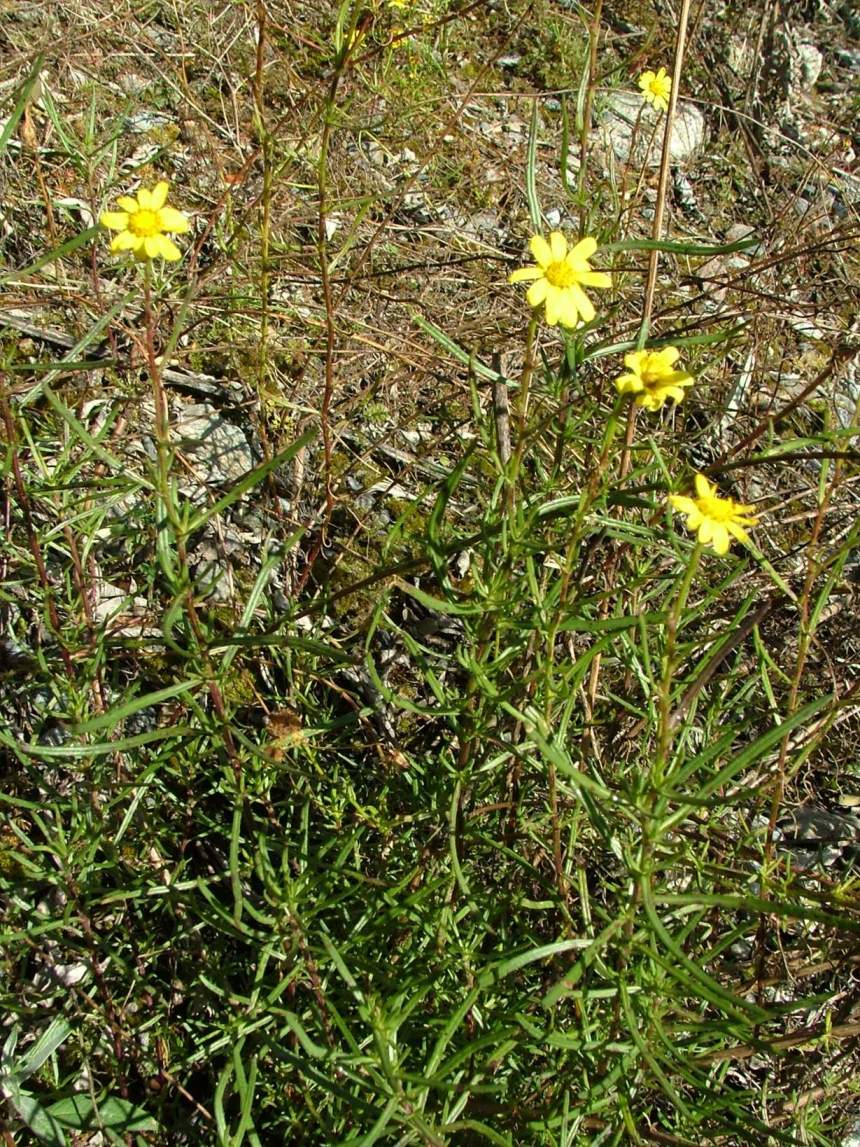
[(714, 518), (142, 224), (559, 277), (652, 377), (656, 88)]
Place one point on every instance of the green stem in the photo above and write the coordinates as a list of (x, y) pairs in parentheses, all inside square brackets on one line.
[(159, 398), (523, 407), (664, 700)]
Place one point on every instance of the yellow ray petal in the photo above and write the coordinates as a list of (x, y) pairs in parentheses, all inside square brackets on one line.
[(595, 279), (159, 194), (169, 219), (721, 538), (667, 356), (628, 384), (525, 273), (582, 302), (537, 292), (682, 504), (558, 246), (568, 315), (704, 488), (585, 248), (115, 220), (738, 532), (159, 246), (553, 305), (541, 250), (126, 241)]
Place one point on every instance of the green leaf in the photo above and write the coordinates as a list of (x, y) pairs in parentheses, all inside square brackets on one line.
[(457, 352), (115, 716), (20, 106), (30, 1111), (438, 604), (64, 249), (498, 971), (535, 213), (53, 1037), (82, 1113)]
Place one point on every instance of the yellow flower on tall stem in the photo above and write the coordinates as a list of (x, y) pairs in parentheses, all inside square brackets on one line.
[(652, 377), (142, 223), (656, 89), (716, 520), (559, 277)]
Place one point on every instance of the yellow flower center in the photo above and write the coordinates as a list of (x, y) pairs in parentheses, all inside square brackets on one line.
[(560, 274), (718, 509), (144, 223)]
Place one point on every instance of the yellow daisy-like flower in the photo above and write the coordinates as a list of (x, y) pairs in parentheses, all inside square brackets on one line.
[(559, 277), (715, 519), (652, 377), (656, 88), (400, 4), (142, 224)]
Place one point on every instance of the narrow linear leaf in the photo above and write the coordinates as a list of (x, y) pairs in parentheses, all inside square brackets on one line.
[(79, 240), (457, 352), (21, 103)]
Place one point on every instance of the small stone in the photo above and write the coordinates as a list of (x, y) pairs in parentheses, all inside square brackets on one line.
[(218, 450), (809, 64), (553, 217), (377, 155), (625, 117), (145, 121), (848, 58), (133, 83)]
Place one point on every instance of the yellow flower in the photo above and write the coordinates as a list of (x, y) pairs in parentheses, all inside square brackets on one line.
[(142, 223), (559, 277), (713, 517), (401, 4), (656, 87), (652, 378)]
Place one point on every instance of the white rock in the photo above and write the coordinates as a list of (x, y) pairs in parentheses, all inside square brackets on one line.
[(146, 121), (625, 115), (809, 64), (218, 451)]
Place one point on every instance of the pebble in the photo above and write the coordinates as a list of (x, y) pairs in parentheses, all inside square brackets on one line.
[(619, 121), (218, 450)]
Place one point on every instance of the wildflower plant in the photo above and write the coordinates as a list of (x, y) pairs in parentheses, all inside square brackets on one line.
[(445, 820), (716, 520), (656, 88), (144, 223), (558, 279), (652, 379)]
